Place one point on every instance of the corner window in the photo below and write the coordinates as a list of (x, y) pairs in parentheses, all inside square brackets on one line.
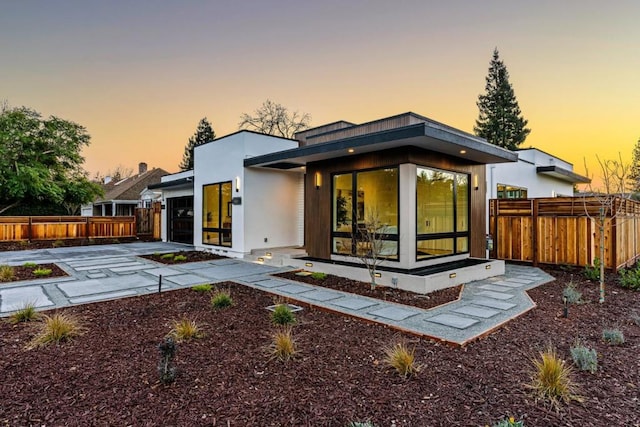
[(216, 214), (511, 192), (442, 213)]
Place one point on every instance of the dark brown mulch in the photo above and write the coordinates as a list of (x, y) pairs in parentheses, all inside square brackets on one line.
[(399, 296), (21, 272), (48, 244), (192, 256), (108, 375)]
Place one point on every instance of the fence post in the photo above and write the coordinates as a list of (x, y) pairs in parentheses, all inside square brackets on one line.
[(87, 229), (534, 231), (29, 229)]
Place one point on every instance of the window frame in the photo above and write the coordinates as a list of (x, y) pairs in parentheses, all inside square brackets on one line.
[(220, 230)]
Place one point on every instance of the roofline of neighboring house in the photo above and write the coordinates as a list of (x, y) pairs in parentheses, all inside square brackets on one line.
[(563, 174), (182, 182)]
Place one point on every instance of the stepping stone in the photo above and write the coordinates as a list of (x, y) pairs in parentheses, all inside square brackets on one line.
[(509, 284), (319, 295), (470, 310), (270, 283), (224, 262), (97, 262), (495, 288), (133, 268), (496, 295), (186, 279), (16, 298), (101, 297), (99, 286), (453, 321), (353, 303), (164, 286), (210, 272), (96, 276), (196, 265), (494, 304), (164, 271), (393, 313), (120, 264), (257, 278), (516, 280), (294, 289)]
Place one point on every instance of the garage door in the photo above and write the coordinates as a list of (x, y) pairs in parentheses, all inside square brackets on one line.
[(180, 223)]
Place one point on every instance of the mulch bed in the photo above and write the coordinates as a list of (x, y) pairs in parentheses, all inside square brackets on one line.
[(191, 256), (399, 296), (21, 272), (48, 244), (108, 375)]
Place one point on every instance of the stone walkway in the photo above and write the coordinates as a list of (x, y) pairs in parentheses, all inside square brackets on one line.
[(114, 271)]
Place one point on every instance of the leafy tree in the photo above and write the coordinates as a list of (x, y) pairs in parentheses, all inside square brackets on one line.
[(41, 161), (204, 133), (500, 120), (275, 119), (634, 170)]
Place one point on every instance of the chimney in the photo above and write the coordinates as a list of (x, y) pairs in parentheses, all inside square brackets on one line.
[(107, 179), (142, 168)]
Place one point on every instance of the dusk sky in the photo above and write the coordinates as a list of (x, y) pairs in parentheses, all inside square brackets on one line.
[(139, 75)]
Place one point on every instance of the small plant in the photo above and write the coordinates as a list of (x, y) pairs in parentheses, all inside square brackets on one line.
[(166, 370), (361, 424), (30, 265), (552, 379), (572, 294), (402, 360), (318, 275), (282, 315), (630, 278), (613, 336), (167, 256), (205, 287), (6, 273), (24, 243), (58, 244), (509, 422), (185, 329), (283, 346), (585, 358), (57, 328), (180, 258), (221, 299), (42, 272), (26, 313), (636, 318), (593, 272), (115, 241)]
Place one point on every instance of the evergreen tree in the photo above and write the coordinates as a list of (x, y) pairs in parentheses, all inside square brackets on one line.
[(634, 173), (500, 120), (204, 133)]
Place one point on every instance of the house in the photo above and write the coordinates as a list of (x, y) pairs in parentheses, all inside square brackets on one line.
[(122, 197), (536, 174)]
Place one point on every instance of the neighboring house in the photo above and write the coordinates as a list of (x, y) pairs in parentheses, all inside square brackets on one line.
[(424, 179), (122, 197), (177, 206), (536, 174)]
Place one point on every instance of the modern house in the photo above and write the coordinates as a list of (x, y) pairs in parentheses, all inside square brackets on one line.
[(122, 197)]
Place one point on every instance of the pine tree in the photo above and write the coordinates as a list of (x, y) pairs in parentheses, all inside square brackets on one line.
[(634, 171), (204, 133), (500, 120)]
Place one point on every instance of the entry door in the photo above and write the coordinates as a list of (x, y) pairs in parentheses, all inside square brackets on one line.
[(180, 223)]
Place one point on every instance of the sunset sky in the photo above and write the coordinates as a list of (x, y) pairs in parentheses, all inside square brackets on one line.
[(139, 75)]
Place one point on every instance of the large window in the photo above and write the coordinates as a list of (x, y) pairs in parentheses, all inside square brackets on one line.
[(358, 197), (442, 213), (216, 214)]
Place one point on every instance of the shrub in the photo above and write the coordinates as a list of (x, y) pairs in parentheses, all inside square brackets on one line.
[(613, 336), (585, 358), (166, 371), (552, 378), (283, 346), (26, 313), (630, 278), (41, 272), (30, 265), (57, 328), (573, 295), (509, 422), (180, 258), (185, 329), (593, 272), (402, 360), (221, 299), (6, 273), (282, 315), (205, 287), (24, 243), (58, 243), (318, 275), (167, 256)]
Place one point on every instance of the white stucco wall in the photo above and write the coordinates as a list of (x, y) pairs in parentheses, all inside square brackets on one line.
[(269, 198)]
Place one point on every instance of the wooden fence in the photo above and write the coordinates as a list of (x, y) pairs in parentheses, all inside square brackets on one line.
[(15, 228), (148, 221), (559, 231)]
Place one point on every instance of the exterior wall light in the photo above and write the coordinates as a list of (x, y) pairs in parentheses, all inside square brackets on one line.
[(318, 180), (452, 275), (308, 264), (377, 275), (475, 182), (237, 184)]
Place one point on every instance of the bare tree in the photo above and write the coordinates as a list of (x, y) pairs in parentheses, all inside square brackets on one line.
[(116, 174), (369, 247), (611, 200), (275, 119)]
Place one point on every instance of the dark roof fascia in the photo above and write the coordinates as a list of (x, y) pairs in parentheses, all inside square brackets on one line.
[(248, 131), (563, 174), (455, 136), (177, 183)]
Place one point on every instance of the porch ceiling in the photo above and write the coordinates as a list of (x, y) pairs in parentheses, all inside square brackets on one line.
[(427, 136)]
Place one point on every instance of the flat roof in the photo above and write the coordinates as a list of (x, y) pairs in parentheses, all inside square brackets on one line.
[(563, 174), (430, 136)]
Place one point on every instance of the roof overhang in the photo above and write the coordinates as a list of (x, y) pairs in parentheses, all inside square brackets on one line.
[(427, 136), (562, 174), (174, 185)]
